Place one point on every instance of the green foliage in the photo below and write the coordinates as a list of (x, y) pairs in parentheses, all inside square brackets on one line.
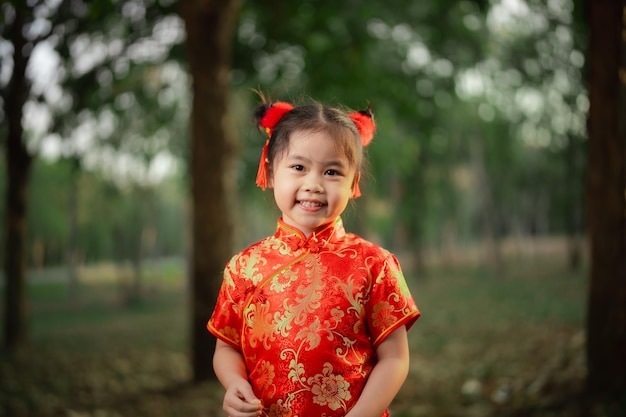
[(446, 79), (105, 108), (414, 63), (111, 222)]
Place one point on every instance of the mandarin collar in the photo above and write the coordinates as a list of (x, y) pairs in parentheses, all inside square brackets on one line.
[(316, 241)]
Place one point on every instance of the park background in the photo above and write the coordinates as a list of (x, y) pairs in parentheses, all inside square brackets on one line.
[(129, 157)]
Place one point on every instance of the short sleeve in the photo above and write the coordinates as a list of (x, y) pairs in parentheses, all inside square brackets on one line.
[(226, 321), (390, 304)]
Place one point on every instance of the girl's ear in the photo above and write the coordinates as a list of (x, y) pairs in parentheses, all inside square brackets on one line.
[(356, 192), (270, 177)]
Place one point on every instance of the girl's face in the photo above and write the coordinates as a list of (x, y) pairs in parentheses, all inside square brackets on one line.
[(312, 181)]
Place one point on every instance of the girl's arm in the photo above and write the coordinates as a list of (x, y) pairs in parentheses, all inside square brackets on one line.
[(239, 400), (386, 378)]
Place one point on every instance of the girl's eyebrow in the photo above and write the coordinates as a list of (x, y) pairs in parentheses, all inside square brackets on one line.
[(332, 162), (297, 157)]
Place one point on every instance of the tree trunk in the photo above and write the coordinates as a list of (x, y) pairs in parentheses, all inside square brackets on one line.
[(606, 315), (18, 169), (210, 27)]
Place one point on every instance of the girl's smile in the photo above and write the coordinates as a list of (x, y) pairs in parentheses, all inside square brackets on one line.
[(310, 205), (312, 181)]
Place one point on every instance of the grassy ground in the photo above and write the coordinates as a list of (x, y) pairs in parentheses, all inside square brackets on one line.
[(510, 345)]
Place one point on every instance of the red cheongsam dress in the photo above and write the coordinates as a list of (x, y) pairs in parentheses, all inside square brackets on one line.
[(307, 314)]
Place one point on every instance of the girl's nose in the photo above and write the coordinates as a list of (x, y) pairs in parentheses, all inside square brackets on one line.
[(313, 184)]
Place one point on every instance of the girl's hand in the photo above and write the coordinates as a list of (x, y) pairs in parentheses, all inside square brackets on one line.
[(240, 401)]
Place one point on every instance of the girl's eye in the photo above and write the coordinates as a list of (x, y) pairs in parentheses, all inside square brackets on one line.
[(332, 172), (297, 167)]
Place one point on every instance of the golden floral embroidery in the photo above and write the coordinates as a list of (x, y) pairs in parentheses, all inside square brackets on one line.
[(278, 410), (283, 280), (336, 315), (383, 314), (231, 334), (308, 320), (330, 389), (296, 370), (311, 334), (260, 323), (266, 375), (250, 265)]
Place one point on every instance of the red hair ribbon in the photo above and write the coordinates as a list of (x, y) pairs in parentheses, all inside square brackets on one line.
[(271, 117), (261, 175), (364, 122)]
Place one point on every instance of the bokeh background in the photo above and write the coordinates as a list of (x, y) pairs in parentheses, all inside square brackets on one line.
[(129, 157)]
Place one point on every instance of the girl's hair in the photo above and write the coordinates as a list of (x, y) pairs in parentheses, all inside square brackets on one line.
[(318, 118)]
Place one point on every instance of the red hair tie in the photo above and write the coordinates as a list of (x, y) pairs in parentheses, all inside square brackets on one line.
[(364, 121), (269, 120), (261, 175)]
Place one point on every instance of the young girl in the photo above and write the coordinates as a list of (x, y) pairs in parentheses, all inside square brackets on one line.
[(312, 321)]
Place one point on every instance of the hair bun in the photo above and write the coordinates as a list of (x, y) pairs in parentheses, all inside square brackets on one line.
[(259, 112)]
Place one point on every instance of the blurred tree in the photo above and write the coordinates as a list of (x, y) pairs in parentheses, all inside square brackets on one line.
[(210, 25), (132, 105), (546, 55), (19, 161), (518, 69), (93, 44), (606, 185)]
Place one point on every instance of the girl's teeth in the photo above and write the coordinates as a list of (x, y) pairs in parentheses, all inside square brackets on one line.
[(310, 204)]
